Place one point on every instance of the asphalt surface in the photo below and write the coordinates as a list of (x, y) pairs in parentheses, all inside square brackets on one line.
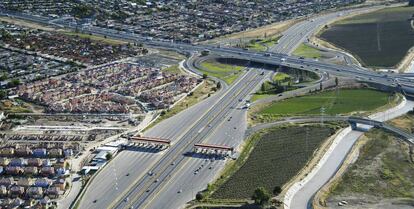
[(174, 160), (191, 126), (303, 197)]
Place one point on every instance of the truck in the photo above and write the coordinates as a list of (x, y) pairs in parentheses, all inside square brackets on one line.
[(205, 52)]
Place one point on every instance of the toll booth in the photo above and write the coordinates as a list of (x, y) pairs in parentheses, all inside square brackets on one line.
[(149, 142), (212, 149)]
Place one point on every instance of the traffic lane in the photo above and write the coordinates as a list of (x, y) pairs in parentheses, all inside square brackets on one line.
[(181, 121), (188, 182), (173, 151), (302, 197), (104, 185), (327, 170), (226, 135)]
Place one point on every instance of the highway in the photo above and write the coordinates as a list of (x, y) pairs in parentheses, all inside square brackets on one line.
[(208, 121), (174, 159), (301, 193)]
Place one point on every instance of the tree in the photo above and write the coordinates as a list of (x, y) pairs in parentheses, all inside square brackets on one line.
[(320, 86), (205, 75), (277, 190), (14, 83), (108, 156), (218, 85), (336, 81), (199, 196), (263, 87), (3, 94), (261, 196), (411, 3)]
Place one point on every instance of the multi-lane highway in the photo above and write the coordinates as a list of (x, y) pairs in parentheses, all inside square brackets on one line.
[(174, 159), (218, 119)]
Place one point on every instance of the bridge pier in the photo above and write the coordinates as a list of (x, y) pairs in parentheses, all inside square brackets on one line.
[(353, 125)]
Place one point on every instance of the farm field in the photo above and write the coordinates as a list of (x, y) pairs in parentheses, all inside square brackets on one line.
[(306, 51), (378, 39), (334, 102), (226, 72), (277, 156), (381, 177)]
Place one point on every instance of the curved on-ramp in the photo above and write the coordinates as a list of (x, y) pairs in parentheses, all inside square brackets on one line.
[(300, 194)]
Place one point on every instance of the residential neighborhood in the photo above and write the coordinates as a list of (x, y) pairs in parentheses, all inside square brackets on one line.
[(189, 21)]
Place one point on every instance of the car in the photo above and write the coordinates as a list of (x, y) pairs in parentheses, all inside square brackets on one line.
[(179, 191), (150, 173), (127, 174), (157, 180), (173, 163), (262, 73), (240, 100), (95, 201), (148, 190), (126, 199), (301, 58)]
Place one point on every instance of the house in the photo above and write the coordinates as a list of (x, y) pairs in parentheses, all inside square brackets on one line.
[(7, 151), (30, 203), (6, 181), (16, 191), (39, 153), (3, 191), (14, 170), (60, 183), (34, 192), (17, 202), (17, 162), (46, 163), (47, 171), (68, 152), (61, 163), (23, 151), (56, 152), (4, 161), (42, 182), (24, 182), (31, 170), (53, 192), (34, 162)]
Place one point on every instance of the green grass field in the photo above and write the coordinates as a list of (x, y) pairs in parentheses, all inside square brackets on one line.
[(341, 102), (173, 69), (280, 77), (277, 156), (306, 51), (226, 72), (262, 44)]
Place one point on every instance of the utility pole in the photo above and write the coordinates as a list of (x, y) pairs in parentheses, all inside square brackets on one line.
[(322, 113)]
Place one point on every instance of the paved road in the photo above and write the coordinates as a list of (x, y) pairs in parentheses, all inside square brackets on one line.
[(301, 193), (164, 168), (300, 32), (174, 128)]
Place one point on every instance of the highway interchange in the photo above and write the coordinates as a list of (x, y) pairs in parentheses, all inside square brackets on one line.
[(218, 119)]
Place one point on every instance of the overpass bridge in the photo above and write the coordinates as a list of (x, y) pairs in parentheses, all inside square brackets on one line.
[(354, 121)]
